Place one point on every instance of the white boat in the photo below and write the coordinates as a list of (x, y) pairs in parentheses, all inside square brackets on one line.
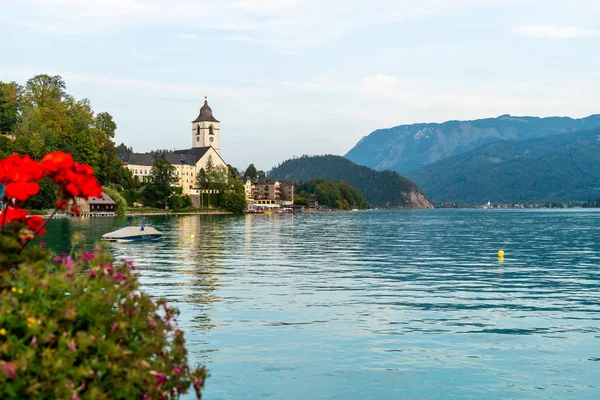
[(133, 233)]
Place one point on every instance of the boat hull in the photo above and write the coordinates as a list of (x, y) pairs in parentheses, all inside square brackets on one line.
[(132, 234)]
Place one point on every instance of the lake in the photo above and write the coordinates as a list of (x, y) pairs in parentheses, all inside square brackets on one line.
[(380, 304)]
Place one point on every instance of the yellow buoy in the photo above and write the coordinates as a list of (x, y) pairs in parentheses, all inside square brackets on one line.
[(501, 254), (192, 237)]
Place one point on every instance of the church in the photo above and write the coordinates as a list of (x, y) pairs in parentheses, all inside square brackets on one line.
[(187, 162)]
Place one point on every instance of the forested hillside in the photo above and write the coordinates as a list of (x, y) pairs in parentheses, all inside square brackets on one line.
[(333, 194), (559, 167), (380, 189)]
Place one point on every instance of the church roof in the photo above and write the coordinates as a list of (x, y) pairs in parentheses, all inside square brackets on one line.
[(205, 114), (180, 159), (139, 159), (196, 153)]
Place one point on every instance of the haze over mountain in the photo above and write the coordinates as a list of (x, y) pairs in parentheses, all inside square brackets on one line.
[(405, 148), (557, 167), (380, 189)]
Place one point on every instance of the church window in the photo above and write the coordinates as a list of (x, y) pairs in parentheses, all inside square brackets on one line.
[(197, 129), (210, 130), (197, 138)]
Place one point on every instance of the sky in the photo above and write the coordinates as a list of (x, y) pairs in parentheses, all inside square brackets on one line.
[(294, 77)]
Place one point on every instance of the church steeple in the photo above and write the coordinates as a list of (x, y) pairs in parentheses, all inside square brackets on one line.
[(205, 128), (205, 113)]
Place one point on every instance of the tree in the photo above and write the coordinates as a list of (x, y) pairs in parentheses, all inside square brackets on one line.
[(104, 121), (122, 148), (117, 198), (6, 147), (44, 118), (261, 174), (158, 191), (234, 198), (301, 201), (251, 171), (46, 198), (233, 171), (9, 106), (178, 200)]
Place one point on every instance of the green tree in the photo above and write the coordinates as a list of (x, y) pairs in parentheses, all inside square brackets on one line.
[(234, 197), (9, 106), (251, 171), (178, 200), (46, 198), (6, 147), (104, 122), (117, 198), (301, 201), (158, 191), (122, 148), (49, 119), (261, 174)]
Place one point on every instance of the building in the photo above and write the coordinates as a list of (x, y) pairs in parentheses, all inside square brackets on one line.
[(268, 192), (249, 189), (286, 189), (96, 206), (9, 135), (187, 162)]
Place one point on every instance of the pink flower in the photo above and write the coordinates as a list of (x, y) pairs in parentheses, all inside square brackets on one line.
[(115, 327), (71, 346), (160, 378), (88, 256), (92, 274), (75, 397), (198, 383), (9, 369), (117, 276), (177, 370), (33, 341)]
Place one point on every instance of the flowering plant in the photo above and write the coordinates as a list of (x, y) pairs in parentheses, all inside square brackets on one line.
[(77, 325)]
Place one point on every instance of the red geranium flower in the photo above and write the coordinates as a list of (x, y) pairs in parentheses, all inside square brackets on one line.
[(18, 173), (19, 169), (11, 214), (76, 180), (35, 222), (21, 190)]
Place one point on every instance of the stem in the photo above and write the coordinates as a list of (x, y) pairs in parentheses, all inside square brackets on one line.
[(4, 212), (46, 221)]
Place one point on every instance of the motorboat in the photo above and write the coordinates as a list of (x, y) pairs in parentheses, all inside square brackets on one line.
[(133, 233)]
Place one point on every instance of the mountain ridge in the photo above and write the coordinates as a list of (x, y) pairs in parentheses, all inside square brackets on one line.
[(380, 188), (404, 148), (558, 167)]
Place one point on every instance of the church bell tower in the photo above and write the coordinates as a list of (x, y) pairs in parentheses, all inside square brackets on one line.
[(205, 129)]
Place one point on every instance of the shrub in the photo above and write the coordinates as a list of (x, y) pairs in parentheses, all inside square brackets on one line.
[(121, 202), (77, 325)]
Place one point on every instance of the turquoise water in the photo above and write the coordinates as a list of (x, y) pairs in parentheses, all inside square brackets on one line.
[(381, 304)]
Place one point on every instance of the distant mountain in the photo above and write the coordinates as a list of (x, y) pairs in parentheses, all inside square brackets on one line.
[(380, 189), (407, 147), (558, 167)]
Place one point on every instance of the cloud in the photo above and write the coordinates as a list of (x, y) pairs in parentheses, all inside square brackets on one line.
[(278, 23), (555, 31)]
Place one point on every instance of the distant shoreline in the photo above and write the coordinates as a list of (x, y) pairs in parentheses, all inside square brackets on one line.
[(204, 212)]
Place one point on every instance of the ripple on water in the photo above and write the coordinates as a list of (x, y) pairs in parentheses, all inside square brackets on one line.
[(382, 304)]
